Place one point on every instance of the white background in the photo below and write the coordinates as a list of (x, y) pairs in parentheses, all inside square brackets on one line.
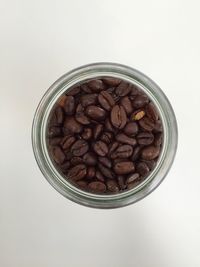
[(41, 40)]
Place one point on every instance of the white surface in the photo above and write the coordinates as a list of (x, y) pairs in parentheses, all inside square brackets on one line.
[(41, 40)]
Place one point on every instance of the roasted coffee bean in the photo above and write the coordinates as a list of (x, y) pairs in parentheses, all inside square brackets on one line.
[(124, 167), (105, 161), (142, 168), (54, 131), (97, 187), (82, 184), (140, 101), (86, 88), (132, 185), (97, 131), (68, 155), (72, 125), (87, 133), (112, 186), (145, 138), (111, 81), (123, 89), (136, 153), (150, 152), (152, 112), (74, 91), (57, 116), (89, 99), (65, 166), (78, 172), (134, 90), (131, 128), (126, 104), (69, 106), (100, 148), (90, 159), (123, 151), (121, 182), (80, 116), (96, 85), (147, 124), (58, 155), (61, 101), (95, 113), (100, 176), (67, 141), (158, 139), (55, 141), (150, 163), (91, 172), (132, 178), (79, 148), (118, 117), (106, 137), (126, 139), (106, 100), (76, 160), (158, 126), (106, 171), (109, 126)]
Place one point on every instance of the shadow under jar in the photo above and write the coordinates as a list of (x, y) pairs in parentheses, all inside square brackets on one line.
[(104, 135)]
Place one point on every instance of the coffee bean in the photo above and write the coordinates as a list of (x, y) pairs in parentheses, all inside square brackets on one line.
[(97, 131), (106, 137), (58, 155), (72, 125), (136, 153), (126, 139), (142, 168), (74, 91), (55, 141), (109, 126), (118, 117), (138, 115), (89, 99), (140, 101), (123, 151), (152, 112), (76, 160), (112, 186), (65, 166), (132, 185), (82, 184), (79, 148), (61, 101), (158, 126), (124, 167), (80, 117), (158, 139), (57, 116), (67, 141), (106, 100), (121, 182), (97, 187), (105, 161), (131, 128), (147, 124), (132, 178), (145, 138), (87, 133), (90, 159), (85, 88), (95, 113), (111, 81), (150, 163), (100, 176), (112, 147), (69, 106), (150, 152), (96, 85), (77, 172), (54, 131), (123, 89), (126, 104), (100, 148), (134, 90), (91, 172), (106, 172)]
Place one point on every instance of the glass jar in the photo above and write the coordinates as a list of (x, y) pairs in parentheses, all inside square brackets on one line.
[(39, 140)]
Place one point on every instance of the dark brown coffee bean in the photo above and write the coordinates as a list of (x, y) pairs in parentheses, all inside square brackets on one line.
[(100, 148), (109, 126), (100, 176), (106, 172), (97, 187), (79, 148), (140, 101), (112, 147), (147, 124), (118, 117), (105, 161), (121, 182), (112, 186), (123, 151), (145, 138), (96, 85), (89, 99), (73, 91), (90, 159), (76, 160), (55, 141), (158, 139), (87, 133), (158, 126), (65, 166), (126, 104), (54, 131), (72, 125), (91, 172), (68, 154), (131, 128), (57, 116), (67, 141), (111, 81), (150, 152), (142, 168), (150, 163), (58, 155), (82, 184), (97, 131), (80, 116), (106, 137), (136, 153), (123, 89), (126, 139), (124, 167), (86, 88), (78, 172), (133, 184), (132, 178), (106, 100), (69, 106), (95, 113), (134, 90), (152, 112)]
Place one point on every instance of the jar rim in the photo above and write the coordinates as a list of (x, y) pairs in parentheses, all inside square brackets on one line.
[(90, 71)]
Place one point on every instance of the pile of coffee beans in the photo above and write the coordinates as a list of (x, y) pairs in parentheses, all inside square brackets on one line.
[(105, 135)]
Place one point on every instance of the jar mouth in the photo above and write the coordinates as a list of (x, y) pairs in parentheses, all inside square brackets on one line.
[(39, 140)]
